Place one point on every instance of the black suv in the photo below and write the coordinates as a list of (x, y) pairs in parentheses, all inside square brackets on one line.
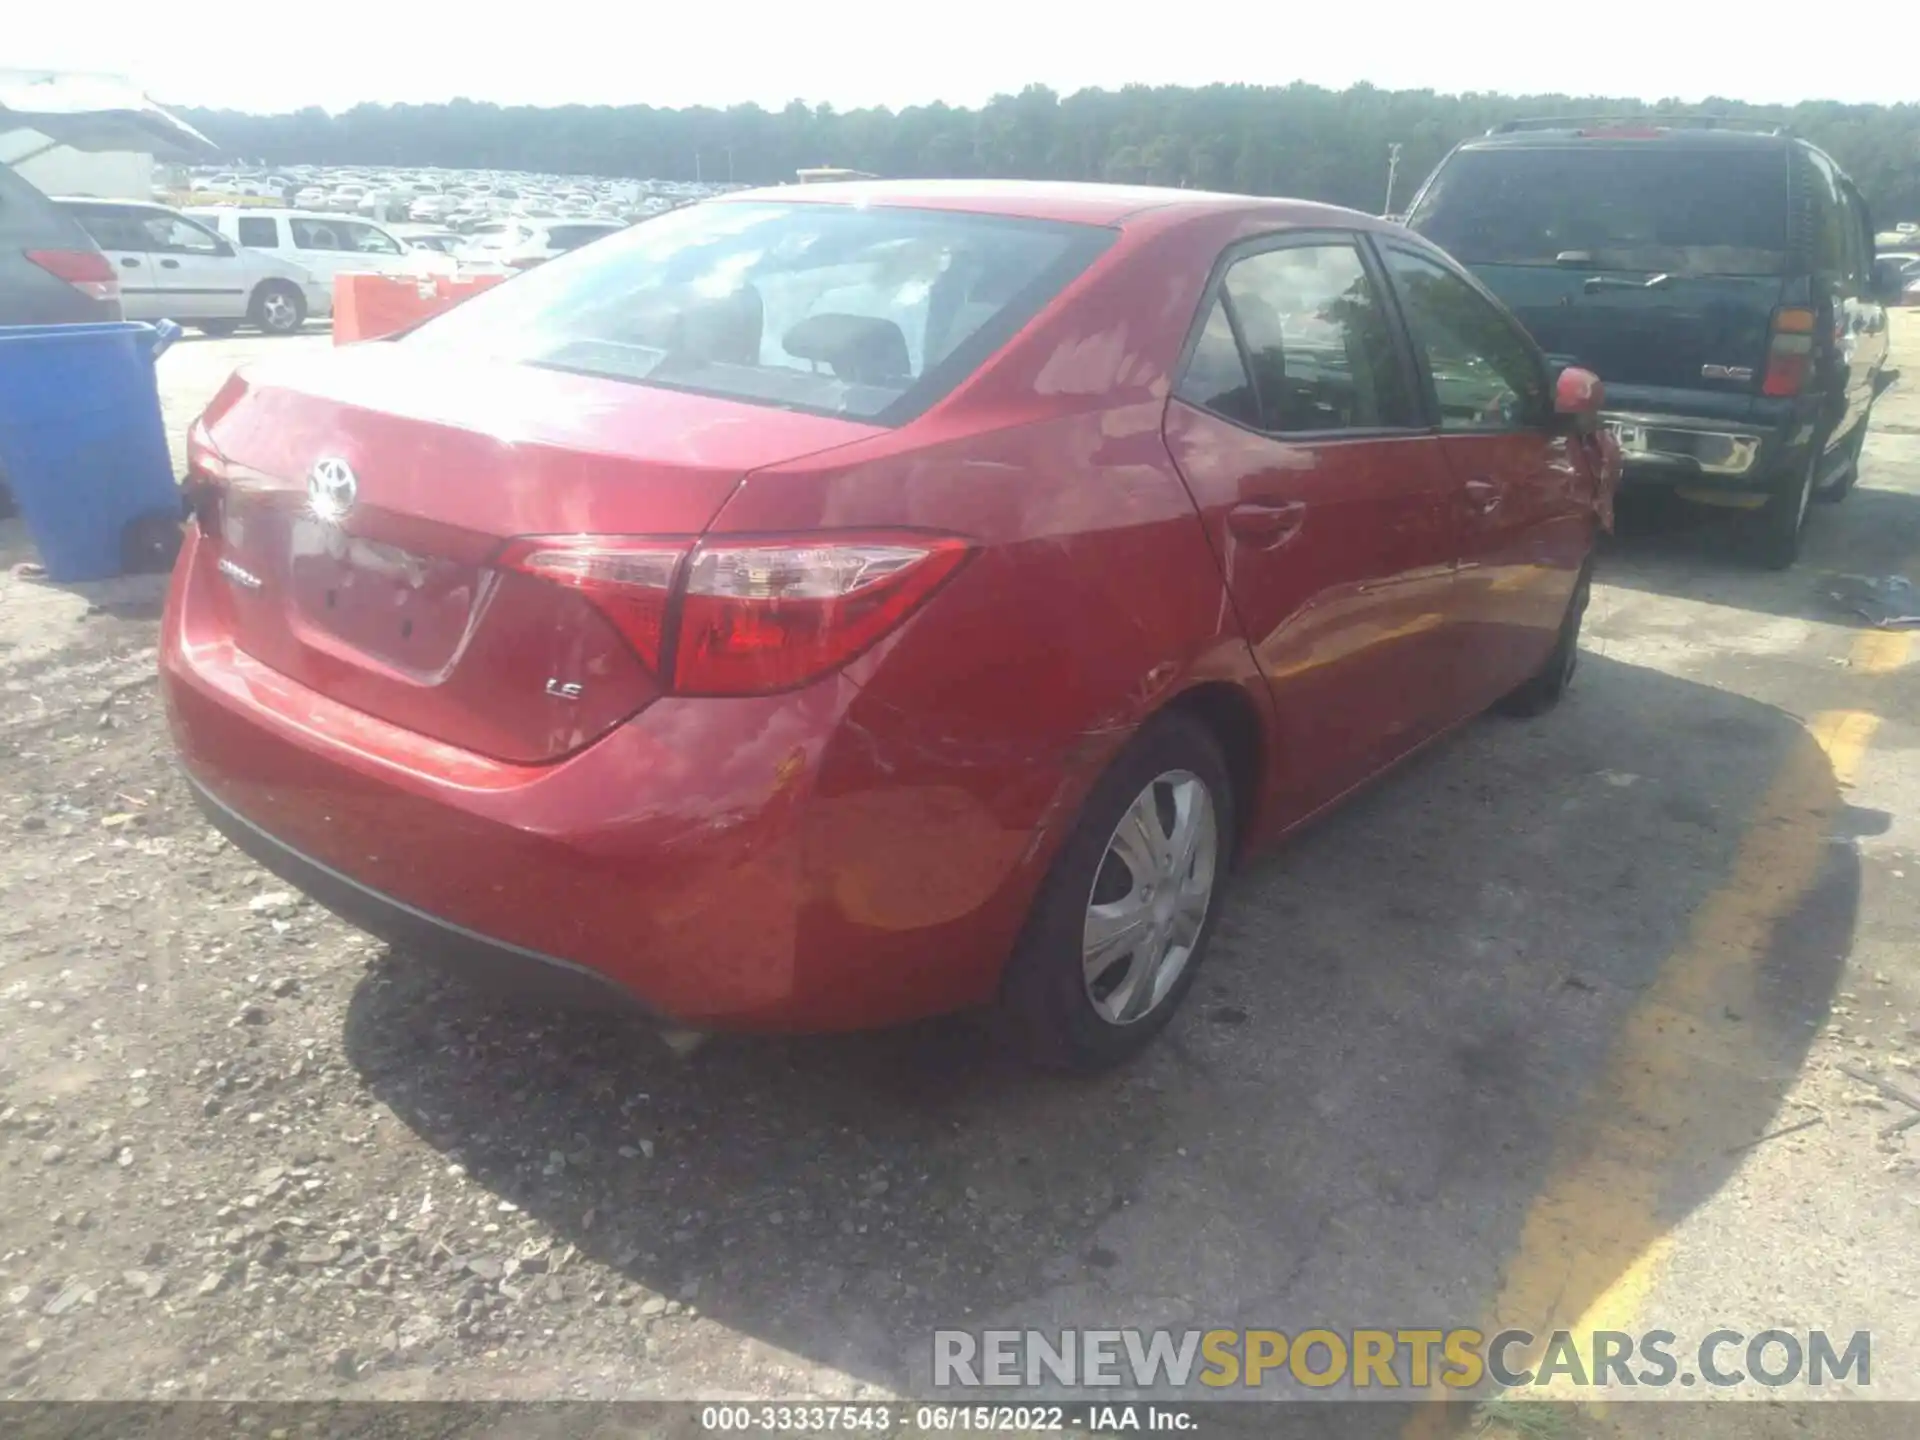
[(1720, 280)]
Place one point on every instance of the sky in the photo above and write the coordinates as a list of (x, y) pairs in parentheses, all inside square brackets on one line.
[(263, 55)]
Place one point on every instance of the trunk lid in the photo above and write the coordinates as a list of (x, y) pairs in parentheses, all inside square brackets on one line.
[(369, 489), (1687, 332)]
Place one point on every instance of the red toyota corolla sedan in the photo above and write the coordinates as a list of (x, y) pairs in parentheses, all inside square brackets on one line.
[(828, 607)]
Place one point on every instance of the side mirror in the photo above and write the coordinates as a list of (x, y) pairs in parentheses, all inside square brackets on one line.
[(224, 249), (1889, 280), (1577, 398)]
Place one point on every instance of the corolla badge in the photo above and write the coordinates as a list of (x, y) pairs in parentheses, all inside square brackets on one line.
[(331, 488)]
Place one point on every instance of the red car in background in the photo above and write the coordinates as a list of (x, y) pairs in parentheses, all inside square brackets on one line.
[(828, 607)]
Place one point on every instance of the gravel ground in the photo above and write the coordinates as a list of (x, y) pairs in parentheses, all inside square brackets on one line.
[(247, 1152)]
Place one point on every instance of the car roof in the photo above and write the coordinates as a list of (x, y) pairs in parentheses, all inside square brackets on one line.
[(113, 200), (289, 214), (1627, 133), (1082, 202)]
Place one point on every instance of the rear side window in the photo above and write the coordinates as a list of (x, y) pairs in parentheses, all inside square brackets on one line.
[(1216, 378), (1635, 205), (871, 312), (112, 229), (259, 232), (316, 235), (572, 237), (365, 239), (169, 234), (1297, 342)]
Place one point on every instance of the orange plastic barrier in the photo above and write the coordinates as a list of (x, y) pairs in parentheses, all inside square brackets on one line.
[(365, 307)]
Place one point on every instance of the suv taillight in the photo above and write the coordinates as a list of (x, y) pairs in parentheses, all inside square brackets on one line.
[(746, 617), (1789, 351), (86, 270)]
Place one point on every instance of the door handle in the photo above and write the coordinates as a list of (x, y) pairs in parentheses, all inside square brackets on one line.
[(1484, 496), (1267, 524), (130, 262), (169, 264)]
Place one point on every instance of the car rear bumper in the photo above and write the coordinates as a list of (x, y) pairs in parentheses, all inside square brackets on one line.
[(1707, 453), (415, 931), (1680, 448), (775, 862)]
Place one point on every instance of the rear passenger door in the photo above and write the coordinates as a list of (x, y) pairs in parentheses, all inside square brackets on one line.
[(117, 230), (1297, 428), (1524, 512), (201, 278)]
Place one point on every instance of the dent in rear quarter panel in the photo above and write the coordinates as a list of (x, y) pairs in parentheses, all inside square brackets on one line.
[(1093, 600), (980, 725)]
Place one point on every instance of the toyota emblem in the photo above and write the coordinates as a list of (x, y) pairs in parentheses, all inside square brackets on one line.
[(331, 489)]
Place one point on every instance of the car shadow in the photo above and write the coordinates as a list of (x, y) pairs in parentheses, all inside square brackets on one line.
[(1409, 1017), (1667, 546)]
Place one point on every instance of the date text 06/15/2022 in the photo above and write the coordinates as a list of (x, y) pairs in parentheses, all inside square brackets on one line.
[(877, 1418)]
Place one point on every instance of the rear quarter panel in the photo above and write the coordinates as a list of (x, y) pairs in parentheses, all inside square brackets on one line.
[(1093, 600)]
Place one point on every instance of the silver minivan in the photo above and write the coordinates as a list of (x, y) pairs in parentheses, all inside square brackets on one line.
[(173, 267)]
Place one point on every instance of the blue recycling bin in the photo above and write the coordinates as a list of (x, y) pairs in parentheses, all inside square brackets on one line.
[(83, 448)]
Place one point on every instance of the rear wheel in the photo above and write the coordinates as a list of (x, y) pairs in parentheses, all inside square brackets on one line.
[(1545, 689), (278, 308), (1780, 524), (1122, 921)]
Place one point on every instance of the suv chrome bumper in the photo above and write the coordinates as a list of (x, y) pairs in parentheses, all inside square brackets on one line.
[(1685, 447)]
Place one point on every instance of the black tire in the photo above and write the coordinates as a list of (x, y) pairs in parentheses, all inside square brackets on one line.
[(1547, 687), (278, 308), (1781, 524), (218, 329), (1047, 1009), (1843, 484)]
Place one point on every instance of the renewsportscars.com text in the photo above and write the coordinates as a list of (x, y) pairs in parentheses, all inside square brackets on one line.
[(1412, 1359)]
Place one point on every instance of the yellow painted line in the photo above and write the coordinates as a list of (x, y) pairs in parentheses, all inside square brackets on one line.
[(1597, 1236), (1876, 652)]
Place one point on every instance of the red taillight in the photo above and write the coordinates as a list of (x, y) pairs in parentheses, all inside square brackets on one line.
[(747, 617), (86, 270), (629, 581), (1789, 351), (770, 615)]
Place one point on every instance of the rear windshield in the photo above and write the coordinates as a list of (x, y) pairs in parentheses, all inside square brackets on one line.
[(572, 237), (867, 312), (1612, 207)]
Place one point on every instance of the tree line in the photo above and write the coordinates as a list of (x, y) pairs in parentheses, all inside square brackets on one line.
[(1298, 140)]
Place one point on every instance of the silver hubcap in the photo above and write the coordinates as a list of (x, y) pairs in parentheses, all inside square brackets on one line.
[(1150, 897), (278, 311)]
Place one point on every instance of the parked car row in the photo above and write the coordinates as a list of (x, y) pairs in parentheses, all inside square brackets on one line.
[(454, 199)]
